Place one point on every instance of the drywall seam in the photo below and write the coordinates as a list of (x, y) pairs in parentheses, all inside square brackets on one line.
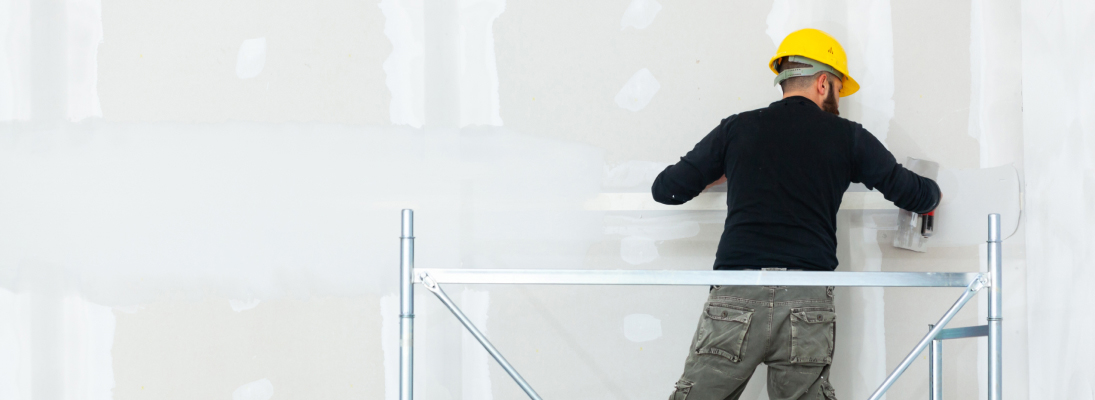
[(479, 103), (1059, 153), (866, 33), (15, 349), (474, 360), (84, 34), (976, 75), (404, 67), (870, 33), (869, 305), (86, 338), (15, 61), (389, 343)]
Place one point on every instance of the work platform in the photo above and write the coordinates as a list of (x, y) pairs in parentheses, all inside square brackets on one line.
[(972, 282)]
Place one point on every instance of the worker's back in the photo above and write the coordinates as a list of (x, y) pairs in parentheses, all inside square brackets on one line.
[(787, 167)]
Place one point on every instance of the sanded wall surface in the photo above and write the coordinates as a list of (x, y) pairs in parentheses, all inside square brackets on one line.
[(201, 199)]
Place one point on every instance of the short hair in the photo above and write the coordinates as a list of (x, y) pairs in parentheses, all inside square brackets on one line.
[(798, 82)]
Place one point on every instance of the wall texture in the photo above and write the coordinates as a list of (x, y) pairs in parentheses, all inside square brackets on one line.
[(200, 199)]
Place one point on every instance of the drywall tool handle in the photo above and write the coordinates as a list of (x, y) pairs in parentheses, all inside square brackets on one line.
[(927, 224)]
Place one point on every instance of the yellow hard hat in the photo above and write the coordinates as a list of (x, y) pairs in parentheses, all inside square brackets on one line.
[(817, 45)]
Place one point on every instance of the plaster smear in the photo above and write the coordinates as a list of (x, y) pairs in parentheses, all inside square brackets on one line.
[(640, 328), (66, 73), (15, 60), (862, 342), (969, 196), (640, 14), (638, 91), (632, 176), (404, 67), (479, 104), (54, 343), (639, 245), (87, 341), (1059, 152), (251, 58), (84, 34), (261, 389), (260, 211), (243, 305)]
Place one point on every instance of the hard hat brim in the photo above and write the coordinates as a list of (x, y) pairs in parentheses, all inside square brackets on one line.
[(850, 84)]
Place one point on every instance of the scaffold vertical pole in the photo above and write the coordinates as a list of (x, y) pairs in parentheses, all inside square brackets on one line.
[(406, 307), (995, 317), (935, 368)]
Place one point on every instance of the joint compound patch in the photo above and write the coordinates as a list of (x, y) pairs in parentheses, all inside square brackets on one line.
[(641, 234), (251, 58), (640, 14), (243, 305), (640, 328), (405, 76), (261, 389), (638, 91), (632, 175)]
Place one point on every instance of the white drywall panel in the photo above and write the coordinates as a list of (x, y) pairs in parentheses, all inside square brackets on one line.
[(179, 61), (272, 236)]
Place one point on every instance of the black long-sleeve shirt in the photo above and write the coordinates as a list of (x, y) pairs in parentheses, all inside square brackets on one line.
[(787, 167)]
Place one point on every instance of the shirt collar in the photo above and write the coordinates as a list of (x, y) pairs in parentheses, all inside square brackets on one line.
[(792, 99)]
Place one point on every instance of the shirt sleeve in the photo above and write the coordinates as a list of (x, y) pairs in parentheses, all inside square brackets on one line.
[(705, 164), (876, 167)]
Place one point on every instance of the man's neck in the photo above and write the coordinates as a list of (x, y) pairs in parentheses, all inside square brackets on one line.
[(816, 99)]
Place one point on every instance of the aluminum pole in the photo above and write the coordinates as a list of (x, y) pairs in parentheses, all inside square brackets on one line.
[(430, 284), (970, 291), (406, 307), (995, 318), (935, 368)]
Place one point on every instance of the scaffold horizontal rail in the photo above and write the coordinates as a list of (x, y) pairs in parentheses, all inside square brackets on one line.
[(963, 332), (699, 278)]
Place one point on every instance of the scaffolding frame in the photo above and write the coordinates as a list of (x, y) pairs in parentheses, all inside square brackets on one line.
[(973, 282)]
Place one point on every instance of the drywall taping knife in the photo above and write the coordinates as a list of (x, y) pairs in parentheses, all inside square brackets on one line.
[(913, 230), (927, 224)]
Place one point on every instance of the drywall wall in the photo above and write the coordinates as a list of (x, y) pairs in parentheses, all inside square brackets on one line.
[(1059, 147), (214, 212)]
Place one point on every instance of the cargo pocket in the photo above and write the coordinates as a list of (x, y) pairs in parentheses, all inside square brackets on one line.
[(827, 391), (681, 389), (722, 330), (812, 332)]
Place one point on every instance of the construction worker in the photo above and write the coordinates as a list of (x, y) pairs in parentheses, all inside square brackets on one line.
[(786, 168)]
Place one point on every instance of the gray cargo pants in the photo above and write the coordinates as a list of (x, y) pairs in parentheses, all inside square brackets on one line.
[(789, 328)]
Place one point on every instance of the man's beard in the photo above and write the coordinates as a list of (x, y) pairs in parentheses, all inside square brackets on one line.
[(829, 104)]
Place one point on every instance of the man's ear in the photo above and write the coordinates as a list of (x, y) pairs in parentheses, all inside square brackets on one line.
[(819, 84)]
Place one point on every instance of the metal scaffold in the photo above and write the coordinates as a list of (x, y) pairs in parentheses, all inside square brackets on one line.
[(971, 282)]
